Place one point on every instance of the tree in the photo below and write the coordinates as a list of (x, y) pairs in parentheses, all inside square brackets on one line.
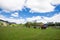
[(28, 24)]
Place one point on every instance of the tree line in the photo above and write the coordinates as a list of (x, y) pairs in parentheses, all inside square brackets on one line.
[(31, 24)]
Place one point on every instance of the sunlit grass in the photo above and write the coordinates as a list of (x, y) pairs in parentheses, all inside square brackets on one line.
[(23, 33)]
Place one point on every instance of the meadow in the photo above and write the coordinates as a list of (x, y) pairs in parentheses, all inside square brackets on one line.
[(23, 33)]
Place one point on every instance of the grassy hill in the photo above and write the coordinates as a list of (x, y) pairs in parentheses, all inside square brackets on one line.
[(23, 33)]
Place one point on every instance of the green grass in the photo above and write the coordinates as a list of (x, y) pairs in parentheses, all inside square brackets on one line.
[(22, 33)]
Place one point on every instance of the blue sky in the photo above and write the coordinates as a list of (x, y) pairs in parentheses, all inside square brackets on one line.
[(29, 12)]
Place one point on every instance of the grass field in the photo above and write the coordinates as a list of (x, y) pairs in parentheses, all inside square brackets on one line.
[(22, 33)]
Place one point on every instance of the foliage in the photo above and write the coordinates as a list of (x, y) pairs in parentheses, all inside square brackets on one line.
[(28, 24)]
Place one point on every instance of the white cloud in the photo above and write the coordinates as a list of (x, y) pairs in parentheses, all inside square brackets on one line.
[(18, 21), (1, 16), (12, 5), (56, 2), (35, 5), (41, 5), (15, 14), (33, 18), (37, 19), (5, 11), (55, 18)]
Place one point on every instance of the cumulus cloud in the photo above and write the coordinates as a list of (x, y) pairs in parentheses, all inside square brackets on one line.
[(12, 5), (34, 5), (32, 19), (41, 5), (15, 14), (55, 18), (2, 17), (37, 19), (55, 2), (18, 21), (11, 19)]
